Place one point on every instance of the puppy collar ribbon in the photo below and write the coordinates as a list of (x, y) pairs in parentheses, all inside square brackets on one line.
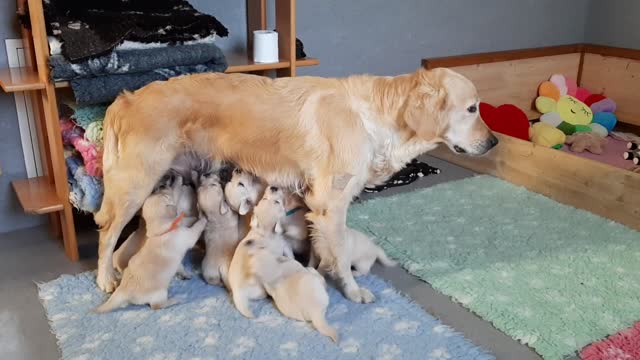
[(294, 210), (175, 223)]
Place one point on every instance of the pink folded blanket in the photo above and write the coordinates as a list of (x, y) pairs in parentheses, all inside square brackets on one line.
[(91, 153)]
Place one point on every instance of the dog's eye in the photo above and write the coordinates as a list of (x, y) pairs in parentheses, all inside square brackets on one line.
[(472, 109), (240, 184)]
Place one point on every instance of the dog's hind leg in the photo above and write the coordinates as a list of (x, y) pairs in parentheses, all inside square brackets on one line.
[(117, 300), (127, 184), (241, 301), (320, 323)]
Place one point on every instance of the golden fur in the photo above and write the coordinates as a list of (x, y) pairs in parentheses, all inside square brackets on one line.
[(328, 136)]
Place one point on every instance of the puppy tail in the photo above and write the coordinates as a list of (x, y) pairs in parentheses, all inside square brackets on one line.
[(320, 323), (117, 300), (241, 301), (384, 259)]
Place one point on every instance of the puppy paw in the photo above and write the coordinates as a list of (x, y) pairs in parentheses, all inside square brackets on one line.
[(213, 280), (107, 280), (367, 296)]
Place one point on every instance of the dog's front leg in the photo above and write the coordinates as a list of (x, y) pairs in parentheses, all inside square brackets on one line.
[(328, 216)]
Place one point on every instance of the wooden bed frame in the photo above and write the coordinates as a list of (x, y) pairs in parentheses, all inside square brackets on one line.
[(513, 77)]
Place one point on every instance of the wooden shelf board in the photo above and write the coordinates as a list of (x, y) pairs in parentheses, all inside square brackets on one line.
[(242, 63), (37, 195), (19, 79)]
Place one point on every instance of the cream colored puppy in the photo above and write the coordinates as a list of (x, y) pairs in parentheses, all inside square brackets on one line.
[(146, 279), (298, 292), (267, 231), (186, 203), (221, 233), (357, 247)]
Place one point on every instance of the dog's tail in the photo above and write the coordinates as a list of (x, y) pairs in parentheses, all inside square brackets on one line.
[(241, 301), (384, 259), (117, 300), (111, 144), (320, 323)]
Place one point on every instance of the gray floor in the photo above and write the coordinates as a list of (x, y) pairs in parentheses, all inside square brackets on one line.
[(30, 256)]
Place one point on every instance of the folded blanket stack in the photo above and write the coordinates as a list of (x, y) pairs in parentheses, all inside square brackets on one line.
[(105, 47), (82, 137)]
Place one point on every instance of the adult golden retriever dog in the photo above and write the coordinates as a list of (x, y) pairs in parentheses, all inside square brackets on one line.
[(329, 137)]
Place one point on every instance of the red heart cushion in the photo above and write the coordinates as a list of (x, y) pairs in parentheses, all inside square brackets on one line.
[(593, 98), (506, 119)]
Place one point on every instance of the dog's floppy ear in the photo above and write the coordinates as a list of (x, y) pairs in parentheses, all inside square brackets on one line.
[(278, 228), (224, 207), (245, 207)]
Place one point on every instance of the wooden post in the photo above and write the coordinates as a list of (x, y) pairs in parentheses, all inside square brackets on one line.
[(286, 27), (52, 128)]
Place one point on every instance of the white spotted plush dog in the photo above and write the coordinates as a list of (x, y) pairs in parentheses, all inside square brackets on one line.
[(267, 231), (221, 233), (147, 277)]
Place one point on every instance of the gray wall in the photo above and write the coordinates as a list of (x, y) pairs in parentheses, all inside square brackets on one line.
[(356, 36), (614, 23), (11, 160)]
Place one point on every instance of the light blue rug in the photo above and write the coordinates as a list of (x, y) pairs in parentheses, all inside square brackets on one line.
[(205, 325)]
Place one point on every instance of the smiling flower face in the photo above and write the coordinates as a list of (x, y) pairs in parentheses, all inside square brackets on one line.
[(574, 111), (556, 101)]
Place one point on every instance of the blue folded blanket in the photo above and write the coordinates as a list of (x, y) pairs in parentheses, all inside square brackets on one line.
[(103, 89), (85, 192), (134, 61)]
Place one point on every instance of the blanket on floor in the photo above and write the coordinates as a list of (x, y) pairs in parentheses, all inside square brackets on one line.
[(92, 28), (133, 61), (103, 89)]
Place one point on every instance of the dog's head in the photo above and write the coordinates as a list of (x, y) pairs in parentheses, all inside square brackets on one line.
[(211, 195), (270, 211), (443, 106), (243, 191)]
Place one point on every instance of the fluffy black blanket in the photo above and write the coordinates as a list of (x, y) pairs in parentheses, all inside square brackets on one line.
[(90, 28)]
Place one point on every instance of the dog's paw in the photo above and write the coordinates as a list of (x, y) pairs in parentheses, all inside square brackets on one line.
[(367, 296), (107, 280), (212, 280)]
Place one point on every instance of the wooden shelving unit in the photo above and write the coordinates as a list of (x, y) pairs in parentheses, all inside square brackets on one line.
[(49, 194)]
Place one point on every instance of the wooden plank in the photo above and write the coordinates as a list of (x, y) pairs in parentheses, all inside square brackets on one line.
[(500, 56), (597, 187), (37, 195), (286, 27), (20, 79), (52, 127), (256, 20), (604, 50), (516, 81), (617, 78)]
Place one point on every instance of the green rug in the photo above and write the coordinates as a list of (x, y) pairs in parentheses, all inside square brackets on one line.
[(552, 276)]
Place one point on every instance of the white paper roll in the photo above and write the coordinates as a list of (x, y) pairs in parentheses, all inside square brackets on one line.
[(265, 46)]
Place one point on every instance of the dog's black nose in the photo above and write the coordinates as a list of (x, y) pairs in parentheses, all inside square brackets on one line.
[(274, 189), (492, 141)]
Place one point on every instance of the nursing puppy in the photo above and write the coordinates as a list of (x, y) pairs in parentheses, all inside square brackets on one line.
[(146, 279), (361, 251), (298, 292), (243, 192), (221, 233), (266, 230)]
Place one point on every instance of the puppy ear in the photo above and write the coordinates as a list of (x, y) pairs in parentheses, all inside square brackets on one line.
[(224, 207), (245, 207), (278, 228)]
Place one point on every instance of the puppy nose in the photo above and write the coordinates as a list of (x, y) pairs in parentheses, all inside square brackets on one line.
[(274, 189)]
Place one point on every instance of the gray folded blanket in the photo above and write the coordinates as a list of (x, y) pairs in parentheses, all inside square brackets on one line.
[(103, 89), (133, 61)]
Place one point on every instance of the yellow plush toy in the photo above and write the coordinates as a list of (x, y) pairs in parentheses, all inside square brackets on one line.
[(546, 135)]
